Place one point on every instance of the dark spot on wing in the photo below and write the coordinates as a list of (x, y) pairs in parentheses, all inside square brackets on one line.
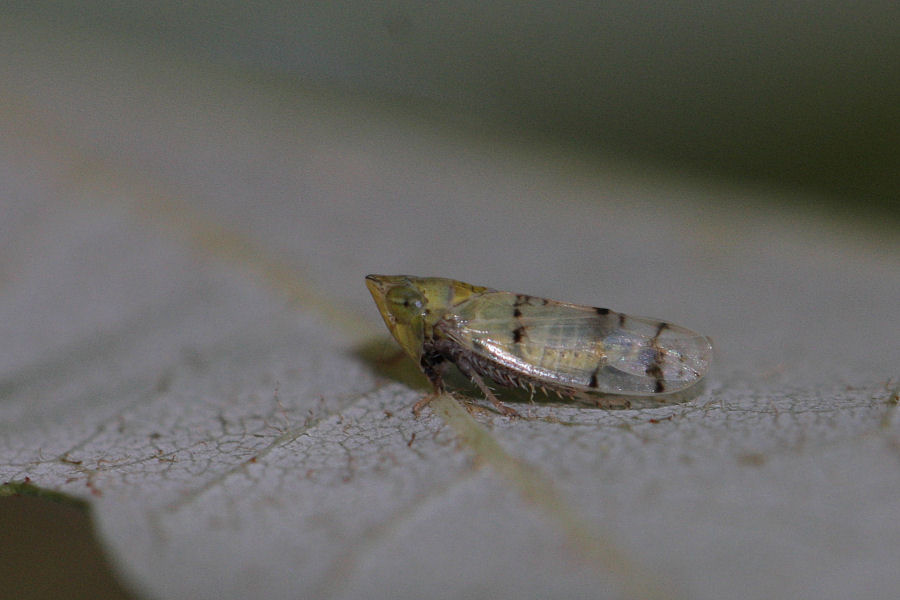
[(544, 301), (520, 300), (518, 333), (660, 328), (602, 311), (517, 313), (654, 370), (622, 318), (593, 382)]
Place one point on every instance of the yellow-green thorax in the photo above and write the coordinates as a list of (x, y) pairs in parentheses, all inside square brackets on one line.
[(410, 306)]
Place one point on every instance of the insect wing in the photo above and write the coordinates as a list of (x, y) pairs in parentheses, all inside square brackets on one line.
[(574, 348)]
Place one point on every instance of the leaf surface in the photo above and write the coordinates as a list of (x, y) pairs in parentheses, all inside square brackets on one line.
[(187, 345)]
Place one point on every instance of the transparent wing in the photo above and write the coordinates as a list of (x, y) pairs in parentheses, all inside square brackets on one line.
[(578, 348)]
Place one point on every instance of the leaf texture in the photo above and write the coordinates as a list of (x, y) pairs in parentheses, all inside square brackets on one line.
[(182, 313)]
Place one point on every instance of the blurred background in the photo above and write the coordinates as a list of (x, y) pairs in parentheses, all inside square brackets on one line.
[(799, 96), (801, 100)]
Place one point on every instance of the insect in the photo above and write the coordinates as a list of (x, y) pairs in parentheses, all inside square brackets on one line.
[(524, 341)]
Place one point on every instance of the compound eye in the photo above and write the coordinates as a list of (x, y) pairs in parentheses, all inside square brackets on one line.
[(406, 298)]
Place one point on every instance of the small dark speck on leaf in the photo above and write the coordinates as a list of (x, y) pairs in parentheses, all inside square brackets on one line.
[(753, 459)]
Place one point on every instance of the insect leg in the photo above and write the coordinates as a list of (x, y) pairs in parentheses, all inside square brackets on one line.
[(433, 365), (445, 350), (425, 401), (505, 410), (469, 371)]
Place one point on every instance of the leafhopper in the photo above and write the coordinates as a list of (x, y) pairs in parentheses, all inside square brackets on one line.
[(524, 341)]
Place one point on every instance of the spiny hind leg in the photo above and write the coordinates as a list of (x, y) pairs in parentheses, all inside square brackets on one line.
[(471, 372), (435, 361), (504, 409)]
